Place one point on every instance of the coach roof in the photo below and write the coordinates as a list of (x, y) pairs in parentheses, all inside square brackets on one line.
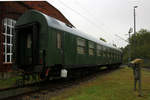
[(54, 23)]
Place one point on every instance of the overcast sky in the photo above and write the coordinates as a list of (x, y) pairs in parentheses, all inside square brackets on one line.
[(105, 18)]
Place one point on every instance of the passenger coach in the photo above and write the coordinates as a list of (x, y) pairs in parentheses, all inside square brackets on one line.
[(51, 48)]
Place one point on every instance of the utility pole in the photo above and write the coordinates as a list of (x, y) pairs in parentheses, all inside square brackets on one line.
[(129, 52), (134, 19), (134, 14), (129, 49)]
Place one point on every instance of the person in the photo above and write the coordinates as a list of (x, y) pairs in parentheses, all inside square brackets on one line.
[(136, 66)]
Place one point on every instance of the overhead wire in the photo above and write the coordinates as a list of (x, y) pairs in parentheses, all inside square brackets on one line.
[(103, 24), (88, 20), (84, 17)]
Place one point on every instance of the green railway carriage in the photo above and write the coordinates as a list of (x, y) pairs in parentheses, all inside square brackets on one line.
[(47, 45)]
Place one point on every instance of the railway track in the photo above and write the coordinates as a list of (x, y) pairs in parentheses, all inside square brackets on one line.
[(15, 90), (45, 89)]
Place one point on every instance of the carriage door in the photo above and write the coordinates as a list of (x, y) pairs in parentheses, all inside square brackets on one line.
[(27, 41), (24, 45), (59, 46), (31, 46), (28, 49)]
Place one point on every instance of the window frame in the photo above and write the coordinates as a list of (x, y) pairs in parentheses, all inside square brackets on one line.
[(81, 47), (91, 48), (8, 23), (99, 50), (58, 40)]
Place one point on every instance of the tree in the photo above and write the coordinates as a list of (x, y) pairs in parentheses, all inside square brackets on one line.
[(140, 47)]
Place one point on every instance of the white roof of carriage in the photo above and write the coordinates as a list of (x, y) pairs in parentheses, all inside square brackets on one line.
[(54, 23)]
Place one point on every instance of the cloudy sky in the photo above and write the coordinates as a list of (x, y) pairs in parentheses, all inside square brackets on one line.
[(108, 19)]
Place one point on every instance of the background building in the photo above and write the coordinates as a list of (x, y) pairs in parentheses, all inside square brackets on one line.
[(10, 11)]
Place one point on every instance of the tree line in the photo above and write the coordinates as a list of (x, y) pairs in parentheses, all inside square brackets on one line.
[(140, 46)]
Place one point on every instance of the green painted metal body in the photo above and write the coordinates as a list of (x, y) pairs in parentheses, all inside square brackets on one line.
[(67, 55)]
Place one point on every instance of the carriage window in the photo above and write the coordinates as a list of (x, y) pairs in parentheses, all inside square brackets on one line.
[(59, 41), (81, 46), (104, 48), (91, 48), (29, 41), (99, 49), (107, 54), (110, 53), (104, 52), (8, 27), (98, 52), (116, 54)]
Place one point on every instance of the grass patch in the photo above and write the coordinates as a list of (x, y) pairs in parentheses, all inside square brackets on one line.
[(116, 85), (11, 82), (8, 83)]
